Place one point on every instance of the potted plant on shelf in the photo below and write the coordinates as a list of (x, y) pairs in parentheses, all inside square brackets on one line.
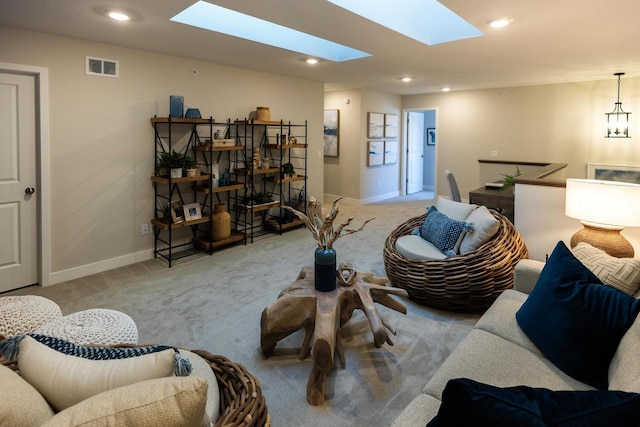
[(190, 166), (171, 163), (288, 170)]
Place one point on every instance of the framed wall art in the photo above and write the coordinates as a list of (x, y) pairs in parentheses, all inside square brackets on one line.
[(431, 136), (376, 153), (620, 173), (331, 133), (390, 152), (375, 125), (390, 126), (192, 211)]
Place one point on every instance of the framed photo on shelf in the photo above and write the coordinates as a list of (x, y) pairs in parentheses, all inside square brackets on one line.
[(390, 126), (431, 136), (331, 133), (177, 213), (192, 211), (390, 152), (620, 173), (376, 153), (375, 125)]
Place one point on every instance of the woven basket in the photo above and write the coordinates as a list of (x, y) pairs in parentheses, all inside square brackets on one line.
[(469, 282), (241, 400)]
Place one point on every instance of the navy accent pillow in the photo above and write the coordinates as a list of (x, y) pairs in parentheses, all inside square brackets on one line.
[(469, 403), (574, 319), (444, 233)]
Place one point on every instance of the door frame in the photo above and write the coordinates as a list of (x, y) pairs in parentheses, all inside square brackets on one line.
[(41, 77), (404, 161)]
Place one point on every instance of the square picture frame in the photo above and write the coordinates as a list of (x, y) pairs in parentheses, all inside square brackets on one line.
[(192, 211), (375, 152), (375, 125), (390, 152), (390, 126), (430, 136), (177, 213), (331, 133), (619, 173)]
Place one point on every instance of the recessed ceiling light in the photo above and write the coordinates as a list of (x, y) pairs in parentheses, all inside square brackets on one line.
[(446, 89), (499, 22), (407, 79), (312, 61), (118, 16)]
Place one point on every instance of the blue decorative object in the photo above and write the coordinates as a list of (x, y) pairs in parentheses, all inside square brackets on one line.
[(469, 403), (193, 113), (574, 319), (176, 106), (443, 232), (325, 270)]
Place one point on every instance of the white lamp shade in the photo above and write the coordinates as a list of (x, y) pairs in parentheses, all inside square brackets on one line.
[(608, 203)]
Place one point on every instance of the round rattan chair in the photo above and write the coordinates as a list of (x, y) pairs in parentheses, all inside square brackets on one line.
[(469, 282)]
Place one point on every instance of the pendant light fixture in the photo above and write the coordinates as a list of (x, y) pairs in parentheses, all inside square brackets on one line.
[(618, 120)]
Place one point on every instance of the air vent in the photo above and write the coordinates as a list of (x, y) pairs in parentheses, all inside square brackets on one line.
[(102, 67)]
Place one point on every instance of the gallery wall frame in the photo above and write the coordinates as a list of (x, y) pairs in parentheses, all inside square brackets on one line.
[(620, 173), (375, 125), (390, 126), (390, 152), (331, 133), (375, 150), (430, 135)]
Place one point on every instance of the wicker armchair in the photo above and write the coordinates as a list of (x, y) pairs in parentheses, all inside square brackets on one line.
[(467, 282)]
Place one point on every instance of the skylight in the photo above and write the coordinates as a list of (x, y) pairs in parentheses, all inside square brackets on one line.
[(219, 19), (426, 21)]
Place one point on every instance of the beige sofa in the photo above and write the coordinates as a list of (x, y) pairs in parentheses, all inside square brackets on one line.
[(497, 352)]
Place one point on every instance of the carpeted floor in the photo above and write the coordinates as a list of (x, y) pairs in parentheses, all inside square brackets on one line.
[(214, 303)]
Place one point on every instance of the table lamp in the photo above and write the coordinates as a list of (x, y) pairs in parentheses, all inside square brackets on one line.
[(604, 208)]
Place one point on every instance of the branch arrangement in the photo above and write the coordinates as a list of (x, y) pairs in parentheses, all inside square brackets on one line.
[(321, 229)]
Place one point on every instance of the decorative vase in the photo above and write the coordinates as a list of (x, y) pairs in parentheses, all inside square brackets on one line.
[(221, 222), (263, 114), (325, 270), (215, 171), (218, 135), (192, 172)]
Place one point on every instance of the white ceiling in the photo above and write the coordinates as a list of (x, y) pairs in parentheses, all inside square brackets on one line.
[(549, 41)]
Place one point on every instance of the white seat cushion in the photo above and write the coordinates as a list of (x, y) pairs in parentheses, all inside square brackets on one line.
[(415, 247)]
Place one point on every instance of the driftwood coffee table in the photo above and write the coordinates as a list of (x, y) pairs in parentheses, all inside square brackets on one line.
[(321, 315)]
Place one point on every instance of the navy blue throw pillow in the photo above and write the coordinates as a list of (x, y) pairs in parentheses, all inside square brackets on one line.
[(443, 232), (469, 403), (574, 319)]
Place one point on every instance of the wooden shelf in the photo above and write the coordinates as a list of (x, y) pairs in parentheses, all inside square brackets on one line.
[(204, 243), (233, 186), (257, 171), (165, 180), (164, 224), (286, 146), (188, 120), (260, 207), (222, 148), (283, 180), (260, 122)]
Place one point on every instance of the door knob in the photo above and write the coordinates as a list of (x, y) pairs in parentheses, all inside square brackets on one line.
[(30, 190)]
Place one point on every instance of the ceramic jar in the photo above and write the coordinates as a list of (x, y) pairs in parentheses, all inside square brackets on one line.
[(263, 114), (221, 222)]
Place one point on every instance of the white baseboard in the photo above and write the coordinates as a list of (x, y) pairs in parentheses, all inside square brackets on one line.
[(99, 267), (351, 201)]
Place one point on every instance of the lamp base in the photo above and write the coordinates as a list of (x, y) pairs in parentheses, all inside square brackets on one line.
[(608, 239)]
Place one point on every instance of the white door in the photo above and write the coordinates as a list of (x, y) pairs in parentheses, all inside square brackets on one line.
[(415, 151), (18, 192)]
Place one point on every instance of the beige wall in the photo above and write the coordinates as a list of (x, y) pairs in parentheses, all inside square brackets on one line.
[(561, 123), (102, 141), (348, 175)]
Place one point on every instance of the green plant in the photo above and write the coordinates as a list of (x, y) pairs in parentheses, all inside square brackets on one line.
[(173, 160), (288, 169), (510, 180), (258, 199)]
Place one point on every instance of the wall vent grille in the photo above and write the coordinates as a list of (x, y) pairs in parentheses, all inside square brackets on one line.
[(102, 67)]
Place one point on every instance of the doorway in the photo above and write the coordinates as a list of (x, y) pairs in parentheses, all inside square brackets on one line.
[(420, 143), (25, 194)]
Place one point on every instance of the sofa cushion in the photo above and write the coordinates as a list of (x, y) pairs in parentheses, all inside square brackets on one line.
[(625, 365), (202, 369), (456, 210), (21, 404), (469, 403), (443, 232), (162, 402), (485, 226), (574, 319), (487, 358), (413, 246), (64, 379), (621, 273), (418, 412)]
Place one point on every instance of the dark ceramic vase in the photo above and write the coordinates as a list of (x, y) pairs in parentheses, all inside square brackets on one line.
[(325, 270)]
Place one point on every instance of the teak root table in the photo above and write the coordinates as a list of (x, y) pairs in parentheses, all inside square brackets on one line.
[(321, 315)]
